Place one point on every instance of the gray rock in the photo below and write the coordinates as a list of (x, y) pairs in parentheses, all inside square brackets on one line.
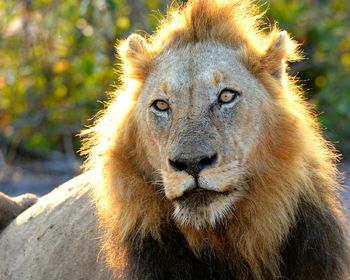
[(54, 239)]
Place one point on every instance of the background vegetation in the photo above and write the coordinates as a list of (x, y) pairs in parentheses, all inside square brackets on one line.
[(56, 61)]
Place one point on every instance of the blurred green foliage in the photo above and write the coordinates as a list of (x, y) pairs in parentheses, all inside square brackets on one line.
[(323, 29), (57, 59)]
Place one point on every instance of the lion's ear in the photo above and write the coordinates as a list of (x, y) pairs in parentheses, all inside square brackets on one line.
[(135, 56), (280, 50), (135, 44)]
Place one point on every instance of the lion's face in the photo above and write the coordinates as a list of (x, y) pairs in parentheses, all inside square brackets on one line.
[(202, 113)]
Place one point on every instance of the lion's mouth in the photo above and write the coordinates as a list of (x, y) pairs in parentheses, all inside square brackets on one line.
[(201, 191), (200, 196)]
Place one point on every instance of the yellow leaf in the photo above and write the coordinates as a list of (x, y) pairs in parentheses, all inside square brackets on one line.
[(61, 66), (61, 91), (345, 59), (321, 81), (123, 22)]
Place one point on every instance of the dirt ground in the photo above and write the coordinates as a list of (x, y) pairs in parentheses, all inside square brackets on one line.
[(40, 177)]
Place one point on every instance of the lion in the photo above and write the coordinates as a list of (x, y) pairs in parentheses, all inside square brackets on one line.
[(211, 164)]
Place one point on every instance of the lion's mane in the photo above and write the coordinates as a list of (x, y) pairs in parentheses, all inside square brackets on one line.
[(292, 171)]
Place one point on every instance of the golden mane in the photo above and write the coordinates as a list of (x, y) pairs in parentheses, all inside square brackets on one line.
[(293, 161)]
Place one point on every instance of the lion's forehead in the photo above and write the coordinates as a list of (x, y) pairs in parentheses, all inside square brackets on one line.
[(198, 64)]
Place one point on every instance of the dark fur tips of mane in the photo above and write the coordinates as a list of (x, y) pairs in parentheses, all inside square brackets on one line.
[(173, 259), (315, 247)]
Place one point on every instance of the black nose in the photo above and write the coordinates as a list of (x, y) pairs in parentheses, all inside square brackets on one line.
[(193, 166)]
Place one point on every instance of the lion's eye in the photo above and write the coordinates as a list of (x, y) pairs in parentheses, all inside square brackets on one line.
[(161, 105), (228, 96)]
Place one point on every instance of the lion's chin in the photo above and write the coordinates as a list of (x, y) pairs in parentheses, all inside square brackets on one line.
[(204, 209)]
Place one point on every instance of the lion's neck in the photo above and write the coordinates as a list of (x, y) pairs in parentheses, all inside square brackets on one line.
[(173, 258)]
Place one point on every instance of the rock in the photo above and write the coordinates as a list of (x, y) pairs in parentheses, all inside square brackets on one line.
[(54, 239)]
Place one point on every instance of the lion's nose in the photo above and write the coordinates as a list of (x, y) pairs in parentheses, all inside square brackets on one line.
[(194, 165)]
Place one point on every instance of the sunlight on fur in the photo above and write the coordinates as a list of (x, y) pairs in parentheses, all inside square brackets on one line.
[(236, 180)]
